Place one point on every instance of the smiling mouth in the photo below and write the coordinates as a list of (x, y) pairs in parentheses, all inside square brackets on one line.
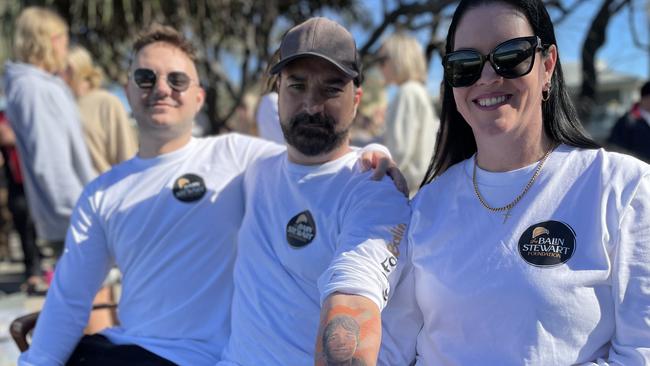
[(492, 101)]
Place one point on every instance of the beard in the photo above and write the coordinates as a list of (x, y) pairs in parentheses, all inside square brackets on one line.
[(313, 135)]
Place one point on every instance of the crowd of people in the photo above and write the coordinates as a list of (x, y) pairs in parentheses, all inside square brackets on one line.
[(498, 233)]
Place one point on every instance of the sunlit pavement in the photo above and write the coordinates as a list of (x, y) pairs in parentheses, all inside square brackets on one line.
[(11, 307), (13, 303)]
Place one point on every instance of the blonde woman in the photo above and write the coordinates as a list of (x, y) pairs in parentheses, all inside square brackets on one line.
[(43, 114), (411, 124), (109, 134)]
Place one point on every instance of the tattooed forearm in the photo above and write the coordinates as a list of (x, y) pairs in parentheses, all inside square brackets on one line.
[(340, 341), (349, 332)]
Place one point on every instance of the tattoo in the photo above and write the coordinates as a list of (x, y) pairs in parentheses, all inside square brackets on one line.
[(340, 342)]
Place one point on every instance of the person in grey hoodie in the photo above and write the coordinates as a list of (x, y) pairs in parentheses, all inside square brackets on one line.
[(42, 111)]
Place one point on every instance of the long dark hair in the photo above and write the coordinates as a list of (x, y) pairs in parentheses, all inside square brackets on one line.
[(456, 140)]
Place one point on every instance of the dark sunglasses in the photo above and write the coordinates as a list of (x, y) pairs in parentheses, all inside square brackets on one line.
[(511, 59), (146, 79)]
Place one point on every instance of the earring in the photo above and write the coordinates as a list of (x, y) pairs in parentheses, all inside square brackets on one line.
[(546, 92)]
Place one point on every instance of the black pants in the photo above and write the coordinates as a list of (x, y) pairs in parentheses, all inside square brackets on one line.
[(97, 350), (25, 227)]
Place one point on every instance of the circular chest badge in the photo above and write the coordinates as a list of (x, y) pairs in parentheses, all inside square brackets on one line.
[(547, 244), (301, 230), (189, 188)]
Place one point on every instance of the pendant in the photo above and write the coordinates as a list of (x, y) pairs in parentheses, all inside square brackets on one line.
[(506, 215)]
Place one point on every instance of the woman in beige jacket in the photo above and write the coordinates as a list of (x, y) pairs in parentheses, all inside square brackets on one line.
[(110, 135)]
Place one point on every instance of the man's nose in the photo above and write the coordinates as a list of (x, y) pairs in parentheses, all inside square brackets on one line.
[(161, 87), (314, 103)]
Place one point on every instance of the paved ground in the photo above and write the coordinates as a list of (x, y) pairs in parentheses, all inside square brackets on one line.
[(10, 277), (13, 303), (11, 307)]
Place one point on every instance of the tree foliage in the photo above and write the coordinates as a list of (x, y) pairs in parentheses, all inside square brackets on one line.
[(242, 34)]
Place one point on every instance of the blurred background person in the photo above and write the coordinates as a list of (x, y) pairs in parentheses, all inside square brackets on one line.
[(109, 133), (411, 124), (368, 125), (631, 133), (243, 120), (17, 204), (268, 122), (42, 111), (5, 216)]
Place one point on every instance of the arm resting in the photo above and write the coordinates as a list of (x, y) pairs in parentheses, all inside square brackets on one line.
[(21, 327)]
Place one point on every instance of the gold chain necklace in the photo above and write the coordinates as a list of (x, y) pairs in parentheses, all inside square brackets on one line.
[(512, 204)]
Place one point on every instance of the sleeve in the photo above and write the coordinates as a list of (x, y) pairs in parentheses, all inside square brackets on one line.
[(121, 143), (631, 282), (402, 319), (268, 120), (79, 274), (367, 260), (401, 322), (401, 136), (247, 150)]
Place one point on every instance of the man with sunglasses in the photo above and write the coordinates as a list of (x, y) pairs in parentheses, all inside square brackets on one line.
[(319, 240), (167, 218)]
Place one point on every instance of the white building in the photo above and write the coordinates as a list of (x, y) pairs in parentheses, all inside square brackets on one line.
[(615, 94)]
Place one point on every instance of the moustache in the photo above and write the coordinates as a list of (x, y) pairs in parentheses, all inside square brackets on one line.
[(154, 98), (313, 120)]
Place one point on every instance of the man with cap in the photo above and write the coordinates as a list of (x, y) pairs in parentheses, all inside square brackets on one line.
[(319, 246), (168, 218)]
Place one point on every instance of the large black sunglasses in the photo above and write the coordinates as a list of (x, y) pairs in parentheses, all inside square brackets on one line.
[(511, 59), (146, 79)]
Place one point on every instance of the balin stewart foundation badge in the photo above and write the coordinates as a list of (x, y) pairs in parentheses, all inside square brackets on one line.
[(189, 188), (547, 244), (301, 230)]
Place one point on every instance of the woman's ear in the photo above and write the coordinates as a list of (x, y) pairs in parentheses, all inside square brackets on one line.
[(549, 61)]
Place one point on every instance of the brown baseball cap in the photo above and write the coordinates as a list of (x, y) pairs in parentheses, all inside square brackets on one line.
[(320, 37)]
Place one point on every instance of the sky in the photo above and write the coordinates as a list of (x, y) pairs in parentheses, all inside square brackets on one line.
[(618, 53)]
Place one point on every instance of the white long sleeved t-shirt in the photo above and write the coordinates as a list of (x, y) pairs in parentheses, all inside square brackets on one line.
[(565, 280), (309, 231), (169, 223)]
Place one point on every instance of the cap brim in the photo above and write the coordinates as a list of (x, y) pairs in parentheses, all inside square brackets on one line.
[(282, 63)]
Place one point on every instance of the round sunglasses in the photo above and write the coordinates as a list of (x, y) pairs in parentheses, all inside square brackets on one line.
[(177, 80), (511, 59)]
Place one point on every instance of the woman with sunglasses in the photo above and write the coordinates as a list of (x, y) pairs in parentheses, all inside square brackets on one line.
[(531, 246)]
